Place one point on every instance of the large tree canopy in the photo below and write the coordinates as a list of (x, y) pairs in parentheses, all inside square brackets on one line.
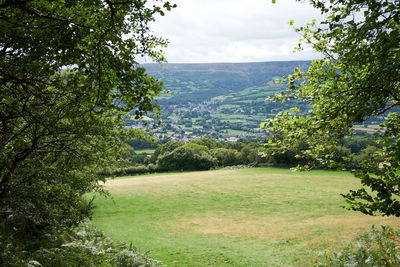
[(358, 77), (68, 76)]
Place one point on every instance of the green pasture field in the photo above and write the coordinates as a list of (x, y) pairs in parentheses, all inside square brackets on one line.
[(231, 131), (224, 116), (234, 120), (240, 217), (245, 101), (228, 106), (147, 151)]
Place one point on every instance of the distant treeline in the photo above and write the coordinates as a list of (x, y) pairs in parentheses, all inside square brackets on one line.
[(207, 153)]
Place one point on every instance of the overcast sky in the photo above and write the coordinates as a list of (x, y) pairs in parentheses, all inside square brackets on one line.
[(234, 30)]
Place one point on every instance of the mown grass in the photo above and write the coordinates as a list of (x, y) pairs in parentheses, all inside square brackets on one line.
[(145, 151), (243, 217)]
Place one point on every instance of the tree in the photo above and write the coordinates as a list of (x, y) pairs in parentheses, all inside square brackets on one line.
[(188, 157), (68, 76), (357, 78), (208, 142), (225, 157), (164, 149)]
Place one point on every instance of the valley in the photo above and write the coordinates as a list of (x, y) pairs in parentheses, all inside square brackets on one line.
[(226, 101)]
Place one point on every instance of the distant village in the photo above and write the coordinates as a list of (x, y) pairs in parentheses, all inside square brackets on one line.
[(193, 121)]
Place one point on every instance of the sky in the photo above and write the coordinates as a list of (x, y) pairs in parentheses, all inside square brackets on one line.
[(205, 31)]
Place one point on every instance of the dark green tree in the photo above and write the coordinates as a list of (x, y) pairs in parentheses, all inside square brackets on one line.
[(208, 142), (358, 77), (68, 76), (188, 157), (225, 157), (164, 149)]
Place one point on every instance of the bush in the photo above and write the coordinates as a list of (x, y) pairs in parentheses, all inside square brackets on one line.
[(281, 156), (152, 168), (132, 170), (373, 248), (85, 246)]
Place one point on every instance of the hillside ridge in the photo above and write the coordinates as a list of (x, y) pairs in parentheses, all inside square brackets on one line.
[(219, 100)]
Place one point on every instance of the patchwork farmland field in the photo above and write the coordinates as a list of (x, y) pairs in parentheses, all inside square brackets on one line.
[(243, 217)]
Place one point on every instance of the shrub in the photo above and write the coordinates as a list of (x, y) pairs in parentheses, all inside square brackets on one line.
[(373, 248), (132, 170), (85, 246), (152, 168)]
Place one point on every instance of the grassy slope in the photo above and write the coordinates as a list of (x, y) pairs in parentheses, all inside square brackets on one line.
[(246, 217)]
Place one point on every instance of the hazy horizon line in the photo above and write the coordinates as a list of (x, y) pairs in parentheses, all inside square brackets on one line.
[(246, 62)]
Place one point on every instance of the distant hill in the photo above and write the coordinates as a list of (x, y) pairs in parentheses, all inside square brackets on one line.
[(201, 82), (221, 100)]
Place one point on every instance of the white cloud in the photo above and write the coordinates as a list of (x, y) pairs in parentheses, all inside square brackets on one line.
[(234, 30)]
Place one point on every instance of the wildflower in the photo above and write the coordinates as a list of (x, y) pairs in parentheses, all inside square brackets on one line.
[(316, 259)]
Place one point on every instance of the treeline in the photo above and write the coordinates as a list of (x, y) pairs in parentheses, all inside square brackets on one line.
[(349, 153), (207, 153), (199, 154)]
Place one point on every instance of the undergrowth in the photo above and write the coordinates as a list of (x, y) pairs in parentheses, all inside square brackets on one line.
[(377, 247)]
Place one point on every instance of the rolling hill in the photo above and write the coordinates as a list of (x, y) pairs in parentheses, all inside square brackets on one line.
[(220, 100)]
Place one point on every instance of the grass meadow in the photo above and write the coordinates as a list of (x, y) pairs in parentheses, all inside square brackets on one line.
[(144, 151), (242, 217)]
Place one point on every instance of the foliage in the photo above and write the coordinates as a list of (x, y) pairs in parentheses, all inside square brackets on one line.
[(68, 77), (198, 154), (204, 154), (140, 144), (208, 142), (225, 157), (373, 248), (356, 143), (165, 148), (133, 170), (248, 153), (134, 158), (365, 155), (84, 246), (357, 78), (188, 157), (290, 156)]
